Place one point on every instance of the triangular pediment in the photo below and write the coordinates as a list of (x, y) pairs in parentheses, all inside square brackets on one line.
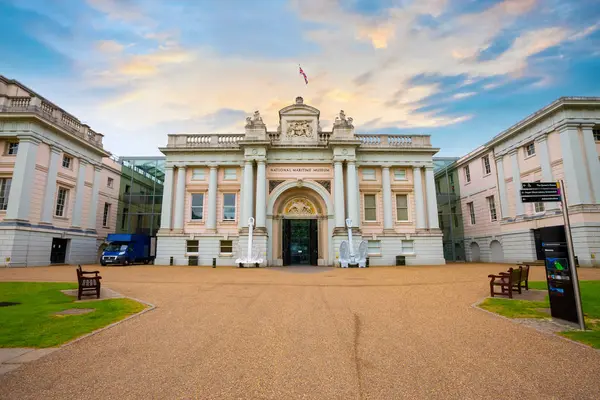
[(299, 109)]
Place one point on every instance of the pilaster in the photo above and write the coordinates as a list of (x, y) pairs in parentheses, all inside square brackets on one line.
[(387, 198), (247, 204), (50, 190), (79, 192), (351, 193), (432, 211), (419, 203), (593, 160), (516, 171), (578, 188), (180, 198), (22, 179), (93, 216), (502, 186), (261, 195), (338, 186), (211, 217), (167, 202), (544, 157)]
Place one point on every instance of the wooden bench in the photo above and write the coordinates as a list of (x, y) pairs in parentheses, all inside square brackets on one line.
[(508, 282), (88, 283)]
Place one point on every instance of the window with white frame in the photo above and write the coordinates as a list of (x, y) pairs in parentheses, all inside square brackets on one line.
[(471, 212), (596, 133), (226, 246), (191, 246), (492, 207), (67, 161), (368, 174), (230, 174), (106, 215), (229, 207), (198, 174), (408, 247), (539, 207), (197, 206), (530, 149), (12, 149), (467, 174), (400, 174), (487, 168), (401, 207), (4, 192), (370, 207), (374, 247), (110, 182), (62, 197)]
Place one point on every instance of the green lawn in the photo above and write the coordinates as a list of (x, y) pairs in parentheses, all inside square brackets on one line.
[(32, 323), (590, 298)]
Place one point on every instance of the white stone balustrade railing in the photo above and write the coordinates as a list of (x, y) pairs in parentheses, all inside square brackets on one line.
[(394, 140), (51, 114), (208, 140)]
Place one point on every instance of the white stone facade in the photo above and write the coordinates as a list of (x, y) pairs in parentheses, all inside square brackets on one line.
[(559, 142), (51, 176), (298, 179)]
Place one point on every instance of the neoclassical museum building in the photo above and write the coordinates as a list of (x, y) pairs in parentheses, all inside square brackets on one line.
[(300, 184)]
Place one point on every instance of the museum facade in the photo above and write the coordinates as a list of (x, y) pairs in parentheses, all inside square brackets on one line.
[(300, 184)]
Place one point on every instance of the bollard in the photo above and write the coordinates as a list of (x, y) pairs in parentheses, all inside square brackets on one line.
[(171, 261), (214, 263)]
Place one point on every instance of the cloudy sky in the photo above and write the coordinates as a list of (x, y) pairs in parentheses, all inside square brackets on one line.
[(460, 70)]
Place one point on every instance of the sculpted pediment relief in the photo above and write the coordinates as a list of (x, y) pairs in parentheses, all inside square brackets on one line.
[(299, 128)]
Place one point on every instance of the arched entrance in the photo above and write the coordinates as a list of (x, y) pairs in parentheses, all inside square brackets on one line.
[(299, 225), (497, 253), (475, 252)]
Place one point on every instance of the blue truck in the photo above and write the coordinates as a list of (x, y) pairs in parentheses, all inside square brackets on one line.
[(125, 249)]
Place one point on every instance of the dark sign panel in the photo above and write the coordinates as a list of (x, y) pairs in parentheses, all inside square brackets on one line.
[(540, 192), (560, 281)]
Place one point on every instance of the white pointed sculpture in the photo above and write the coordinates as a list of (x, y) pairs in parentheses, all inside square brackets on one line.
[(252, 256), (347, 255)]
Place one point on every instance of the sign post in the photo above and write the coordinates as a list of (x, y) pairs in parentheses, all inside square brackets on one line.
[(561, 271)]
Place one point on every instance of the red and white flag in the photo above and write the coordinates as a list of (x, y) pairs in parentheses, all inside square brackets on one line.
[(303, 74)]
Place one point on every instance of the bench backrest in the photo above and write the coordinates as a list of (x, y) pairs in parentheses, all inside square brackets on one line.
[(515, 274), (524, 273)]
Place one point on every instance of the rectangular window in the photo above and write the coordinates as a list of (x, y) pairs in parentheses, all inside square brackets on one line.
[(124, 217), (530, 149), (370, 207), (127, 189), (467, 174), (193, 261), (4, 192), (471, 212), (67, 161), (368, 174), (61, 202), (13, 148), (197, 206), (198, 174), (596, 134), (408, 247), (229, 207), (451, 179), (191, 246), (106, 215), (487, 169), (374, 247), (400, 174), (492, 207), (539, 207), (226, 246), (454, 217), (110, 182), (441, 219), (230, 174), (401, 207)]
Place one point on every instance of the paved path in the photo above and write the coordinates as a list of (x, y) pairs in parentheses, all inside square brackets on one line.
[(377, 333)]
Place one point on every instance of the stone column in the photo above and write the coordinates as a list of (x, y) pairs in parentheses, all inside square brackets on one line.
[(79, 192), (93, 216), (432, 210), (541, 144), (502, 186), (351, 194), (516, 172), (22, 179), (241, 200), (419, 203), (387, 198), (248, 193), (578, 188), (50, 192), (167, 200), (589, 144), (211, 217), (261, 195), (179, 198), (338, 193)]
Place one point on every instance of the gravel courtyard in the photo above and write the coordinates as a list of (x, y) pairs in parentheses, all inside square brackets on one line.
[(377, 333)]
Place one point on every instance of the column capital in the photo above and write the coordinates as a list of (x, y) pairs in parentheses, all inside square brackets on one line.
[(29, 139), (169, 167), (417, 166), (384, 167), (499, 158), (248, 162), (352, 162), (213, 167), (182, 166), (567, 126), (261, 161), (542, 138), (97, 168), (55, 149), (513, 152), (83, 161), (589, 125)]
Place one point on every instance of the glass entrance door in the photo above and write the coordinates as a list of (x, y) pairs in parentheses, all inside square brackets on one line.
[(300, 244)]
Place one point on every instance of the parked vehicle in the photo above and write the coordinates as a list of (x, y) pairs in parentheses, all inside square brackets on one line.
[(125, 249)]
